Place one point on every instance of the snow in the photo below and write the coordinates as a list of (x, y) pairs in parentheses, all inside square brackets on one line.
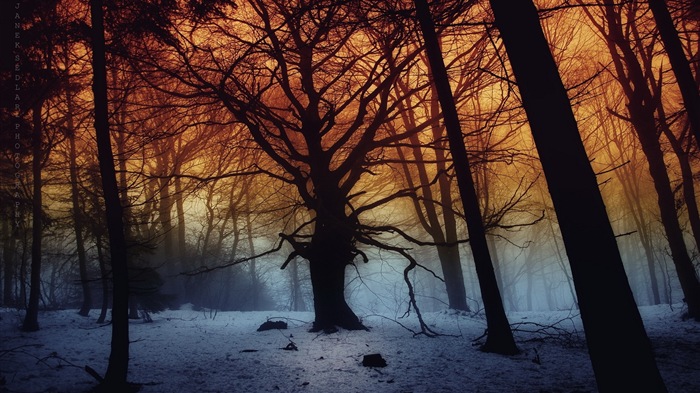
[(208, 351)]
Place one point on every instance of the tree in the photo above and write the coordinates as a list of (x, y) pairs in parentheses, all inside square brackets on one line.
[(622, 144), (313, 93), (500, 337), (641, 106), (8, 260), (679, 63), (75, 202), (40, 38), (31, 319), (446, 239), (608, 309), (116, 376)]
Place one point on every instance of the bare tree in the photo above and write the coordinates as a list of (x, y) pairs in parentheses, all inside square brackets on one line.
[(641, 106), (500, 338), (679, 63), (440, 224), (608, 309), (77, 210), (623, 146), (31, 319), (39, 57), (313, 93), (116, 375)]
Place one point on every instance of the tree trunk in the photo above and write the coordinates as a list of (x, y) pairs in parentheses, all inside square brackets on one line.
[(175, 283), (180, 208), (452, 265), (297, 297), (647, 245), (116, 376), (688, 183), (641, 108), (629, 178), (254, 283), (331, 250), (679, 64), (608, 309), (8, 260), (447, 249), (133, 307), (500, 337), (499, 271), (328, 283), (77, 219), (165, 206), (104, 274), (646, 131), (22, 301), (31, 319)]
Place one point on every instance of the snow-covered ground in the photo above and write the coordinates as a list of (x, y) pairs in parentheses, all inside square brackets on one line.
[(194, 351)]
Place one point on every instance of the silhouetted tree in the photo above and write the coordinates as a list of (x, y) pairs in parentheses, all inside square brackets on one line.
[(623, 145), (642, 104), (116, 376), (680, 64), (76, 208), (42, 81), (445, 238), (317, 113), (608, 309), (31, 319), (500, 337)]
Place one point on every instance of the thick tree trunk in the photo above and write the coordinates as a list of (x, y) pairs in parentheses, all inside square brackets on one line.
[(679, 64), (31, 319), (330, 307), (451, 265), (331, 250), (500, 337), (116, 376), (608, 309)]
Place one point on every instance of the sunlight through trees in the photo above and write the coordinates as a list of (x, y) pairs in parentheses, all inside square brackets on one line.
[(352, 158)]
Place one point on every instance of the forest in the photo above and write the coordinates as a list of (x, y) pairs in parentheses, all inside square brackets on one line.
[(351, 158)]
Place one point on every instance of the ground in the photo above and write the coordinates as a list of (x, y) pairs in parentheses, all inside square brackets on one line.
[(205, 351)]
